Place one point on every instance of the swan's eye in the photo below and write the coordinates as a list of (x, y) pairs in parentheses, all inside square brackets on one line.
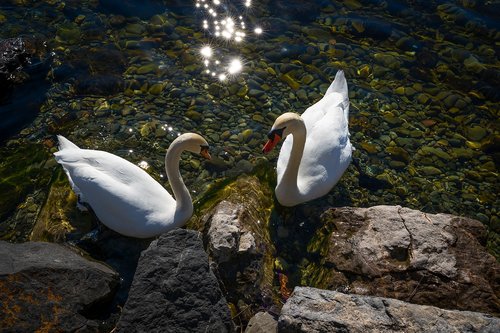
[(278, 132)]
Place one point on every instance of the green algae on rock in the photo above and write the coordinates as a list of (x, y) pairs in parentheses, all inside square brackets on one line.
[(245, 267), (24, 169), (59, 215)]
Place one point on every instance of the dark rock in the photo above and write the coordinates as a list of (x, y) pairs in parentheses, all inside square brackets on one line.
[(49, 287), (174, 289), (23, 68), (433, 259), (99, 85), (13, 56), (316, 310)]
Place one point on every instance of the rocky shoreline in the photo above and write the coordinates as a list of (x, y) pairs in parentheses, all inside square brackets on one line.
[(386, 268)]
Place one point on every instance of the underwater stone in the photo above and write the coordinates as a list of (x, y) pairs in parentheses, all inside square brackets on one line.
[(302, 95), (398, 153), (476, 133), (430, 171), (146, 69), (135, 29), (156, 89), (308, 78), (290, 81)]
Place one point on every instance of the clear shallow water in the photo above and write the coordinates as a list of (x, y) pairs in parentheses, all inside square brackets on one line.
[(128, 76)]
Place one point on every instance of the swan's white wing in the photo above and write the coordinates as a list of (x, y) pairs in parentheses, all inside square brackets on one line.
[(117, 189), (327, 153)]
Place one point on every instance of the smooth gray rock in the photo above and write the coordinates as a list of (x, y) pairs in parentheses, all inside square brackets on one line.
[(316, 310), (174, 289), (262, 322), (49, 287)]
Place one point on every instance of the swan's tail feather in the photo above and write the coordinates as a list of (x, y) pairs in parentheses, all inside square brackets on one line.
[(339, 85), (59, 156), (65, 143)]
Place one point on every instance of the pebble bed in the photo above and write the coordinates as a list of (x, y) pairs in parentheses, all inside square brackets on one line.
[(423, 81)]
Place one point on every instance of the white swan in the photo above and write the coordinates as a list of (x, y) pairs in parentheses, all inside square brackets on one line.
[(125, 197), (317, 153)]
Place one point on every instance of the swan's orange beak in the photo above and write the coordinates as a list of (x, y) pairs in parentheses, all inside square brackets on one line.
[(204, 152), (271, 143)]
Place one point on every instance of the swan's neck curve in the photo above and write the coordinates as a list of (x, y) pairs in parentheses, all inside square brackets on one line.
[(288, 183), (183, 201)]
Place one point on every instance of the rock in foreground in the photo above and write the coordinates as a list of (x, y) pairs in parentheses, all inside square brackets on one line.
[(48, 287), (315, 310), (174, 289), (397, 252), (235, 225)]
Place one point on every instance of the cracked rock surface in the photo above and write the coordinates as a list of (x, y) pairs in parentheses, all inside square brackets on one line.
[(316, 310), (391, 251)]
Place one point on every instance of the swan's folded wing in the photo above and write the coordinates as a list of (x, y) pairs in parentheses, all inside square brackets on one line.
[(327, 150), (110, 173)]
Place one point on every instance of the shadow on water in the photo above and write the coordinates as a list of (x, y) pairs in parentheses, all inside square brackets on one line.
[(292, 230), (119, 252), (22, 108), (144, 9), (24, 65)]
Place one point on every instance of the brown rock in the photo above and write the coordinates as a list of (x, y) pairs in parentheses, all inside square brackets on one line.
[(390, 251), (45, 287)]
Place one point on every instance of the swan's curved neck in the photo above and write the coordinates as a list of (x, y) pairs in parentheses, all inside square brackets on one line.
[(290, 175), (184, 204)]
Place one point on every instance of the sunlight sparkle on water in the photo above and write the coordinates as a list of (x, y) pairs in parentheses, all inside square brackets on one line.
[(206, 51), (143, 165), (231, 29), (235, 66)]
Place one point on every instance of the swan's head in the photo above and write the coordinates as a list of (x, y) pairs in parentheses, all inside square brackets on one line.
[(285, 124), (194, 143)]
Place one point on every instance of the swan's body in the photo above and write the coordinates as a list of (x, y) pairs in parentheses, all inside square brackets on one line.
[(318, 151), (125, 197)]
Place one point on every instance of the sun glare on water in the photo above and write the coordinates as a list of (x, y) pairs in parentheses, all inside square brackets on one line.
[(231, 30)]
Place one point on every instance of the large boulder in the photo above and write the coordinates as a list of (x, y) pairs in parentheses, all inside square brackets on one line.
[(174, 289), (391, 251), (49, 287), (316, 310)]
